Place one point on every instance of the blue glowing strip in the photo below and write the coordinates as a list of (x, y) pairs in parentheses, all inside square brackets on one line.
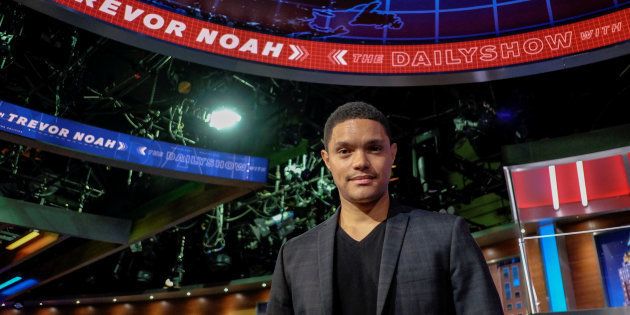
[(359, 8), (329, 17), (496, 16), (437, 20), (129, 149), (385, 28), (550, 12), (389, 39), (10, 282), (478, 7), (551, 263), (26, 284)]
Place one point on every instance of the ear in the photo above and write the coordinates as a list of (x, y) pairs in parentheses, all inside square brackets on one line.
[(325, 158), (393, 149)]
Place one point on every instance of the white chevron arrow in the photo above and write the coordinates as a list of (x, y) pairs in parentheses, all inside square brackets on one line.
[(299, 53), (336, 56)]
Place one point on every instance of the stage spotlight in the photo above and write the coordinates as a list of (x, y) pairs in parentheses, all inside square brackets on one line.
[(168, 283), (222, 260), (144, 276), (223, 119), (23, 240)]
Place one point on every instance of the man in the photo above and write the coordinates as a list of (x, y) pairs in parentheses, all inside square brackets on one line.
[(374, 256)]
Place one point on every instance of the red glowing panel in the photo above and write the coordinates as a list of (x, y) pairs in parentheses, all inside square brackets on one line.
[(139, 16), (40, 243), (606, 178), (568, 184), (532, 188)]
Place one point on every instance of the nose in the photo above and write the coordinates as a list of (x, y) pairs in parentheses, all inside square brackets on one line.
[(360, 160)]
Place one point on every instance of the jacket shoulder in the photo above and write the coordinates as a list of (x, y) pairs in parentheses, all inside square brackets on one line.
[(308, 238), (431, 216), (431, 221)]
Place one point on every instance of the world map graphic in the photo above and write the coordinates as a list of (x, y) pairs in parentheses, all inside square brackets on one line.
[(390, 21)]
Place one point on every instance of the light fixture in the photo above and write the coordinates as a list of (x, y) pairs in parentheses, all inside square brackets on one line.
[(223, 118), (42, 242), (114, 300), (3, 305), (40, 303), (78, 302), (151, 297), (10, 282), (554, 187), (168, 283), (19, 287), (187, 293), (582, 183), (264, 285), (225, 290), (33, 234)]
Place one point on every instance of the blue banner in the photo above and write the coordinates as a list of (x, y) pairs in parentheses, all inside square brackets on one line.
[(130, 149)]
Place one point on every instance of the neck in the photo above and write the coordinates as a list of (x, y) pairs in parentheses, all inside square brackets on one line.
[(357, 215)]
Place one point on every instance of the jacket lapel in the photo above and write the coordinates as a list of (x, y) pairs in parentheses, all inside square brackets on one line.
[(325, 253), (394, 235)]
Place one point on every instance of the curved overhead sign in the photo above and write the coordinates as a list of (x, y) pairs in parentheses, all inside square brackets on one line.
[(100, 145), (373, 64), (389, 21)]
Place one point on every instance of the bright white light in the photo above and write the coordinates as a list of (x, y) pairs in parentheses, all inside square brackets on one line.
[(187, 293), (554, 187), (225, 289), (264, 285), (151, 297), (223, 118), (78, 302), (115, 300), (580, 170)]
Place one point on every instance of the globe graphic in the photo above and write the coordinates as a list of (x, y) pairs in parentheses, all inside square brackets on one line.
[(390, 21)]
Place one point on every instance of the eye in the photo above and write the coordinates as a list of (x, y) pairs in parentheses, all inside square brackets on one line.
[(376, 148), (343, 151)]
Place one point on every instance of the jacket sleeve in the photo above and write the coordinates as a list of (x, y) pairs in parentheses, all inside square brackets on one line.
[(474, 291), (280, 298)]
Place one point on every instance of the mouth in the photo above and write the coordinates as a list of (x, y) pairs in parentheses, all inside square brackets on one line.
[(362, 179)]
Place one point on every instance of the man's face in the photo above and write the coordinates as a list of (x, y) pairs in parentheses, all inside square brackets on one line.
[(360, 157)]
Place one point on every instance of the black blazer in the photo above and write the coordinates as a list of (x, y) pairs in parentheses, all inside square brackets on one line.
[(430, 265)]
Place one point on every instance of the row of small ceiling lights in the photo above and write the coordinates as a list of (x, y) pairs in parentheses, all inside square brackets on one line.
[(151, 297)]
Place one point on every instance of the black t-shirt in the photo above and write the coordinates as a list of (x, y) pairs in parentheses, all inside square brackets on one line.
[(356, 267)]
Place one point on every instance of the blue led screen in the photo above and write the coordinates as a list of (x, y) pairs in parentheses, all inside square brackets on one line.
[(129, 149), (613, 251), (390, 21)]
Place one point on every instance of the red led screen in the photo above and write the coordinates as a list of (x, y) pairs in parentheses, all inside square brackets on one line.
[(606, 188), (275, 50), (532, 188), (606, 178)]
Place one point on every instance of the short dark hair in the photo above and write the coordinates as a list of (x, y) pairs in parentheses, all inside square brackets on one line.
[(354, 110)]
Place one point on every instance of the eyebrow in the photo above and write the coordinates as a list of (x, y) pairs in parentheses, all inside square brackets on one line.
[(348, 144)]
